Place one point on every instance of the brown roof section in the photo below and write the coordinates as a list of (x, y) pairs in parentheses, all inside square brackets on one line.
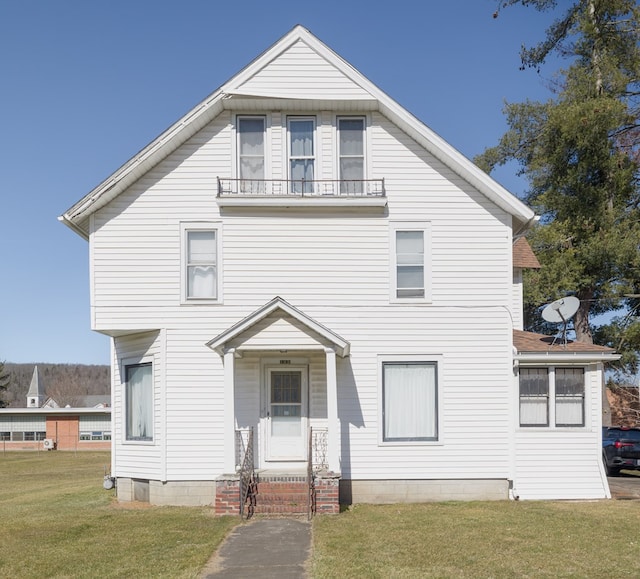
[(523, 255), (528, 342)]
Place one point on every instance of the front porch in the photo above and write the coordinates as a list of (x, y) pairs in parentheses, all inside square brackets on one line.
[(294, 491), (281, 426)]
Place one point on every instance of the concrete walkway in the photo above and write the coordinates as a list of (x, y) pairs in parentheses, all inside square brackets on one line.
[(265, 548)]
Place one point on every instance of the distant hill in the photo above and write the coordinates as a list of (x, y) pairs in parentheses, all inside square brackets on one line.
[(61, 381)]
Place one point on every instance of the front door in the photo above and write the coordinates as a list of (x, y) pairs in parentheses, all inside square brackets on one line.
[(286, 416)]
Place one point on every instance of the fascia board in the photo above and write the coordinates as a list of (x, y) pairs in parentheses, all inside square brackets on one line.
[(566, 357), (146, 159), (50, 411), (218, 343)]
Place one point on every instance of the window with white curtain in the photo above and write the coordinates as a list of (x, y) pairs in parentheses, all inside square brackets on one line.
[(534, 397), (351, 154), (552, 396), (409, 401), (301, 153), (251, 133), (200, 262), (139, 402), (569, 396)]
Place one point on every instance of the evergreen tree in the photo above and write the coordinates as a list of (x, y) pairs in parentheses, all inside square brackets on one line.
[(5, 380), (579, 153)]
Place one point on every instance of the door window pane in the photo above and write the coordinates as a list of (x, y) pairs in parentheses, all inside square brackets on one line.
[(286, 404)]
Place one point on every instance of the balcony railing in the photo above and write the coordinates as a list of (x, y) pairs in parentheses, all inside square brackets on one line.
[(300, 188)]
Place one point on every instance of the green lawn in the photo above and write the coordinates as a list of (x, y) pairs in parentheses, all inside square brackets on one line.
[(479, 540), (56, 520)]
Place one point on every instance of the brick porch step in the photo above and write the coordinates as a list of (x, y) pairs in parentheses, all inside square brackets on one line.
[(282, 495)]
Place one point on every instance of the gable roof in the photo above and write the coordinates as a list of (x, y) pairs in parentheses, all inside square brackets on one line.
[(220, 342), (250, 83)]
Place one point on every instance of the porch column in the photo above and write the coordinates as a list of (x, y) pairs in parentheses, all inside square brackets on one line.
[(229, 420), (333, 433)]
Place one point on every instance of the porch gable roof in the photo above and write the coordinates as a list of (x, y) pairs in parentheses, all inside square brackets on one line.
[(220, 342)]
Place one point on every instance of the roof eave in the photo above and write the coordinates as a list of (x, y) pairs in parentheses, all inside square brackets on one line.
[(199, 116), (566, 357)]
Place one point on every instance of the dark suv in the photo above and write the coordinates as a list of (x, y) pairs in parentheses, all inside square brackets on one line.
[(620, 449)]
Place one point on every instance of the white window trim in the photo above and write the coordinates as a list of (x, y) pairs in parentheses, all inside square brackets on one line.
[(425, 227), (186, 226), (235, 153), (551, 374), (438, 360), (124, 363)]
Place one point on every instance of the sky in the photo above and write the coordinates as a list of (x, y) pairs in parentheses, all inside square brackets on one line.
[(86, 84)]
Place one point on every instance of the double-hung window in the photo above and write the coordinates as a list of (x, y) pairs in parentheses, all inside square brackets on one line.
[(201, 275), (410, 255), (569, 390), (409, 401), (301, 153), (351, 159), (139, 402), (552, 396), (251, 154)]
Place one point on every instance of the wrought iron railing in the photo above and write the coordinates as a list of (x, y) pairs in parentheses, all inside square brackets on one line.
[(248, 482), (301, 188), (317, 461), (319, 449)]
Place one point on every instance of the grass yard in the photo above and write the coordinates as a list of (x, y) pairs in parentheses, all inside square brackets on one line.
[(480, 540), (56, 520)]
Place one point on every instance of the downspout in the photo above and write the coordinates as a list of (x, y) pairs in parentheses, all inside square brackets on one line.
[(513, 405)]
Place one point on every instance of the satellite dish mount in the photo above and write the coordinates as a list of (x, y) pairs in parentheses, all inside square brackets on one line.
[(560, 312)]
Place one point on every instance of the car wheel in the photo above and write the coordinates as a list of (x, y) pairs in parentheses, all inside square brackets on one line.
[(611, 470)]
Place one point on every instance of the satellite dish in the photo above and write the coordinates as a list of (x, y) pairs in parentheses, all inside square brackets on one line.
[(561, 310)]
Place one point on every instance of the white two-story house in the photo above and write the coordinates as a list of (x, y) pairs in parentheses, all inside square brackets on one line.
[(301, 279)]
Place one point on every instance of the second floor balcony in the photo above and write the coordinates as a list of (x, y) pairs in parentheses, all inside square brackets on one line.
[(256, 193), (301, 188)]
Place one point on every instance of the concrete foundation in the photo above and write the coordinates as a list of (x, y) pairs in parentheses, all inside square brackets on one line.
[(173, 493), (422, 491)]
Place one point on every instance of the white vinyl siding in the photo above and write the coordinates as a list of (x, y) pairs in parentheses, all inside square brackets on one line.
[(340, 280), (563, 462), (138, 459)]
